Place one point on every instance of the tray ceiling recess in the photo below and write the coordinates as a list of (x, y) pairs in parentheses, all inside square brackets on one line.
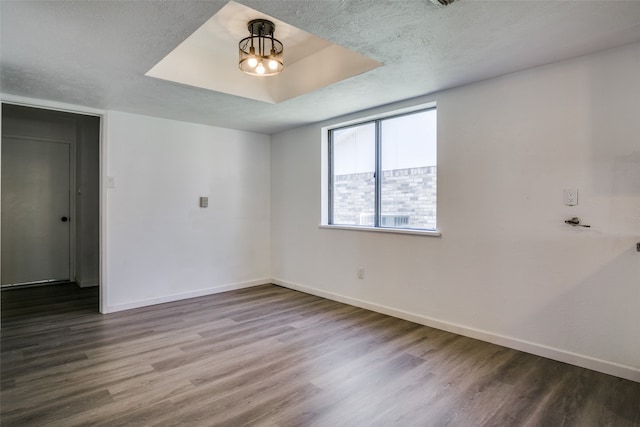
[(208, 59)]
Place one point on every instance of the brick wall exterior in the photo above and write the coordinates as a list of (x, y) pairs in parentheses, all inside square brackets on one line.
[(407, 194)]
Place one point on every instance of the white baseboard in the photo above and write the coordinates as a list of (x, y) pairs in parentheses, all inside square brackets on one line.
[(610, 368), (184, 295)]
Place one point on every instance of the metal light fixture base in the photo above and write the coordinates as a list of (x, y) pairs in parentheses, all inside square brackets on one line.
[(261, 27)]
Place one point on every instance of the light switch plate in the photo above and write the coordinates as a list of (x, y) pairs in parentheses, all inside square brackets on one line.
[(204, 202)]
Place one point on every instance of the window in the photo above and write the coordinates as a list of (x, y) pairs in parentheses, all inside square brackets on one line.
[(382, 173)]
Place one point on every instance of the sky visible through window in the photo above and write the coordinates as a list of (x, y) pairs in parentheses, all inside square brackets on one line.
[(408, 141)]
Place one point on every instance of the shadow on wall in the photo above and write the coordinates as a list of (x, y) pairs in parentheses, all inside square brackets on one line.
[(592, 315)]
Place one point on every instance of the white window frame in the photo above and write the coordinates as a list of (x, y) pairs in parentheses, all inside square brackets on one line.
[(326, 202)]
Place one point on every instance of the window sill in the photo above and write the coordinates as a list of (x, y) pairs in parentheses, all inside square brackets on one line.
[(426, 233)]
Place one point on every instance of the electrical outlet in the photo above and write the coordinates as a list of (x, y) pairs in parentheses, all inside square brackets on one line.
[(204, 202), (571, 197), (360, 272)]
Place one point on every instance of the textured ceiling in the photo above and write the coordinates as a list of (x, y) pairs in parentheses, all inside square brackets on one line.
[(208, 59), (96, 53)]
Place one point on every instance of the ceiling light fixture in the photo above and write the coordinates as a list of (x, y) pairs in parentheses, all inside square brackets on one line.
[(261, 53), (442, 2)]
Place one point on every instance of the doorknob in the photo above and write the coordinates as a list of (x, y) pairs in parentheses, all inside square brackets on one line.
[(64, 219)]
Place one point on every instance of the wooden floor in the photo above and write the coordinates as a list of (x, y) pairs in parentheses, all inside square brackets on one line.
[(269, 356)]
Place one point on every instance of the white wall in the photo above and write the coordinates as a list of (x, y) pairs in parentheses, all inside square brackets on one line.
[(161, 245), (506, 269)]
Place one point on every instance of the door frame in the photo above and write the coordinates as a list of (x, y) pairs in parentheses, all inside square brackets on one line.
[(72, 194), (102, 151)]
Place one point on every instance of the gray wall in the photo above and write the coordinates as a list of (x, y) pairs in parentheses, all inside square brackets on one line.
[(84, 134), (87, 200)]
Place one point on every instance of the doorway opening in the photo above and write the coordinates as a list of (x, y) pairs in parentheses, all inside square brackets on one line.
[(50, 198)]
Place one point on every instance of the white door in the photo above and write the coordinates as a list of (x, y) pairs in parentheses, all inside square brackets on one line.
[(35, 211)]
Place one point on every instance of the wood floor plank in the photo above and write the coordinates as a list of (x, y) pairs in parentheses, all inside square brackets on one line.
[(268, 356)]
